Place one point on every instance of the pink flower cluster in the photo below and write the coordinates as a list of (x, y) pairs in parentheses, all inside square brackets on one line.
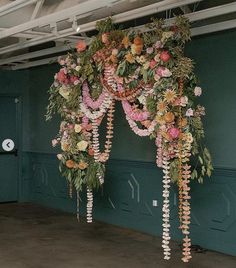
[(89, 101), (63, 78), (136, 116)]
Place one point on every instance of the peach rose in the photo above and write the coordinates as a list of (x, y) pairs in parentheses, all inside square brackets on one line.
[(82, 165), (105, 38), (125, 41), (129, 57), (81, 45), (70, 163)]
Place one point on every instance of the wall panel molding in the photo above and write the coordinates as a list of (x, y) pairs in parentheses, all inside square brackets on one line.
[(128, 193)]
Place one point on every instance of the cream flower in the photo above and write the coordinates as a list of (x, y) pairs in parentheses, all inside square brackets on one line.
[(59, 156), (133, 50), (64, 92), (77, 128), (157, 58), (197, 91), (142, 99), (142, 59), (82, 145), (64, 146), (146, 65), (189, 112), (183, 101), (166, 35), (77, 68)]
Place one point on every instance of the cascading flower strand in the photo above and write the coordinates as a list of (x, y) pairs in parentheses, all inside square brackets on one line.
[(186, 197), (98, 156), (89, 205), (166, 208)]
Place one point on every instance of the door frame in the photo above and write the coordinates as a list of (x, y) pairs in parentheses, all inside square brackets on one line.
[(19, 128)]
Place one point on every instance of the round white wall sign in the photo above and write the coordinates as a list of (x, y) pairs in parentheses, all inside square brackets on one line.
[(8, 145)]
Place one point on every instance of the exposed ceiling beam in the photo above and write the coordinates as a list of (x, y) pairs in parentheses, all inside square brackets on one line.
[(35, 54), (139, 12), (37, 9), (63, 15), (214, 27), (194, 32), (40, 40), (18, 4), (34, 34), (34, 63), (212, 12)]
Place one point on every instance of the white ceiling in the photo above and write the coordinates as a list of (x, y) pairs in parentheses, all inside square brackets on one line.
[(27, 23)]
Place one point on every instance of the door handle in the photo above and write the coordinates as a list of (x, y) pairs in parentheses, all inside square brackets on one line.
[(15, 152)]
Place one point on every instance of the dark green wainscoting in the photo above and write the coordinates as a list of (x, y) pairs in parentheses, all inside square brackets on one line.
[(126, 200)]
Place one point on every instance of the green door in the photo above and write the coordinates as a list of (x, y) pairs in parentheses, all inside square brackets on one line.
[(8, 150)]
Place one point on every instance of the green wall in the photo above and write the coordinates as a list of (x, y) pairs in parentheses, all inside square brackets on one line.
[(16, 84), (132, 179)]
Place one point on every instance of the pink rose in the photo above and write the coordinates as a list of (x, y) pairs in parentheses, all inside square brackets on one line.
[(152, 64), (61, 77), (189, 112), (174, 132), (165, 56), (81, 46), (74, 80), (197, 91), (163, 72)]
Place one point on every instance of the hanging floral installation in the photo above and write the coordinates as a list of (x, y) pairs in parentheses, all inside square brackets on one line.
[(149, 73)]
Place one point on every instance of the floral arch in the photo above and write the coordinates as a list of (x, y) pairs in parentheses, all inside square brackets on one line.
[(148, 72)]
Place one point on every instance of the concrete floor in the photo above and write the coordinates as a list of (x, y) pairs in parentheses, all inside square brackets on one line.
[(36, 237)]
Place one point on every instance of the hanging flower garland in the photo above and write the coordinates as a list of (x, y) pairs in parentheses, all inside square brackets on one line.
[(150, 75)]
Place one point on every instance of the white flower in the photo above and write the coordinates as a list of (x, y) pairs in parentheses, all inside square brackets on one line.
[(157, 57), (77, 68), (149, 50), (64, 92), (54, 142), (183, 101), (77, 128), (197, 91), (142, 99), (82, 145), (158, 44), (59, 156), (189, 112)]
